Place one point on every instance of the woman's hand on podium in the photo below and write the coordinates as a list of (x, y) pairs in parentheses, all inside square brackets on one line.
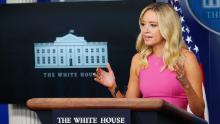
[(105, 78)]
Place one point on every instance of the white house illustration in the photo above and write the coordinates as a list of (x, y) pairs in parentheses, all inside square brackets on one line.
[(211, 3), (70, 51)]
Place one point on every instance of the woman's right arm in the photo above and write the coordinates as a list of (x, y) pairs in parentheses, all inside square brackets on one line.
[(107, 79), (133, 90)]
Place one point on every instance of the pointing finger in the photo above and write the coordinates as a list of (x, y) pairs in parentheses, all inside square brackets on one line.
[(109, 67)]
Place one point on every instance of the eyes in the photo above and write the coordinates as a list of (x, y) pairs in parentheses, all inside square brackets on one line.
[(153, 25), (142, 24)]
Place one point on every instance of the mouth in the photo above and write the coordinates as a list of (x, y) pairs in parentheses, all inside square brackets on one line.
[(146, 38)]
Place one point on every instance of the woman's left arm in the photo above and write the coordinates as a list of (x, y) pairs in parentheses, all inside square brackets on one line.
[(190, 76)]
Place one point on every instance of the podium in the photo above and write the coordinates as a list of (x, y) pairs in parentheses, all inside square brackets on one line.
[(142, 111)]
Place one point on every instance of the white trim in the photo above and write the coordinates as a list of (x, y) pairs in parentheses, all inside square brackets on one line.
[(19, 114)]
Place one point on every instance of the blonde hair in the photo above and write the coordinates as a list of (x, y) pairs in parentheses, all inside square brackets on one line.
[(170, 29)]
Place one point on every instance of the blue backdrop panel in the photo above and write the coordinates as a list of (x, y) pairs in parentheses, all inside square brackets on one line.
[(209, 45), (3, 114)]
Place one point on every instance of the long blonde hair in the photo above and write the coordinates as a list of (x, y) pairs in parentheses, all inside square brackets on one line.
[(170, 29)]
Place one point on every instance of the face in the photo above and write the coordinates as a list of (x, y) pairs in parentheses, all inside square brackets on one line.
[(150, 29)]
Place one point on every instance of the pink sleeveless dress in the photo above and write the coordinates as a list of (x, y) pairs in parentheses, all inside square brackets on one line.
[(163, 85)]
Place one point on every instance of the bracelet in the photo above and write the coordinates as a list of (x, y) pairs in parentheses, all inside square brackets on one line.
[(116, 90)]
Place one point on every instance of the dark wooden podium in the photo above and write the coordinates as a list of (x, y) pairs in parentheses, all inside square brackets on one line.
[(143, 111)]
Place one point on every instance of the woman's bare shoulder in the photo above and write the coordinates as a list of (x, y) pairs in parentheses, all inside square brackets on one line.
[(189, 56), (136, 57)]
